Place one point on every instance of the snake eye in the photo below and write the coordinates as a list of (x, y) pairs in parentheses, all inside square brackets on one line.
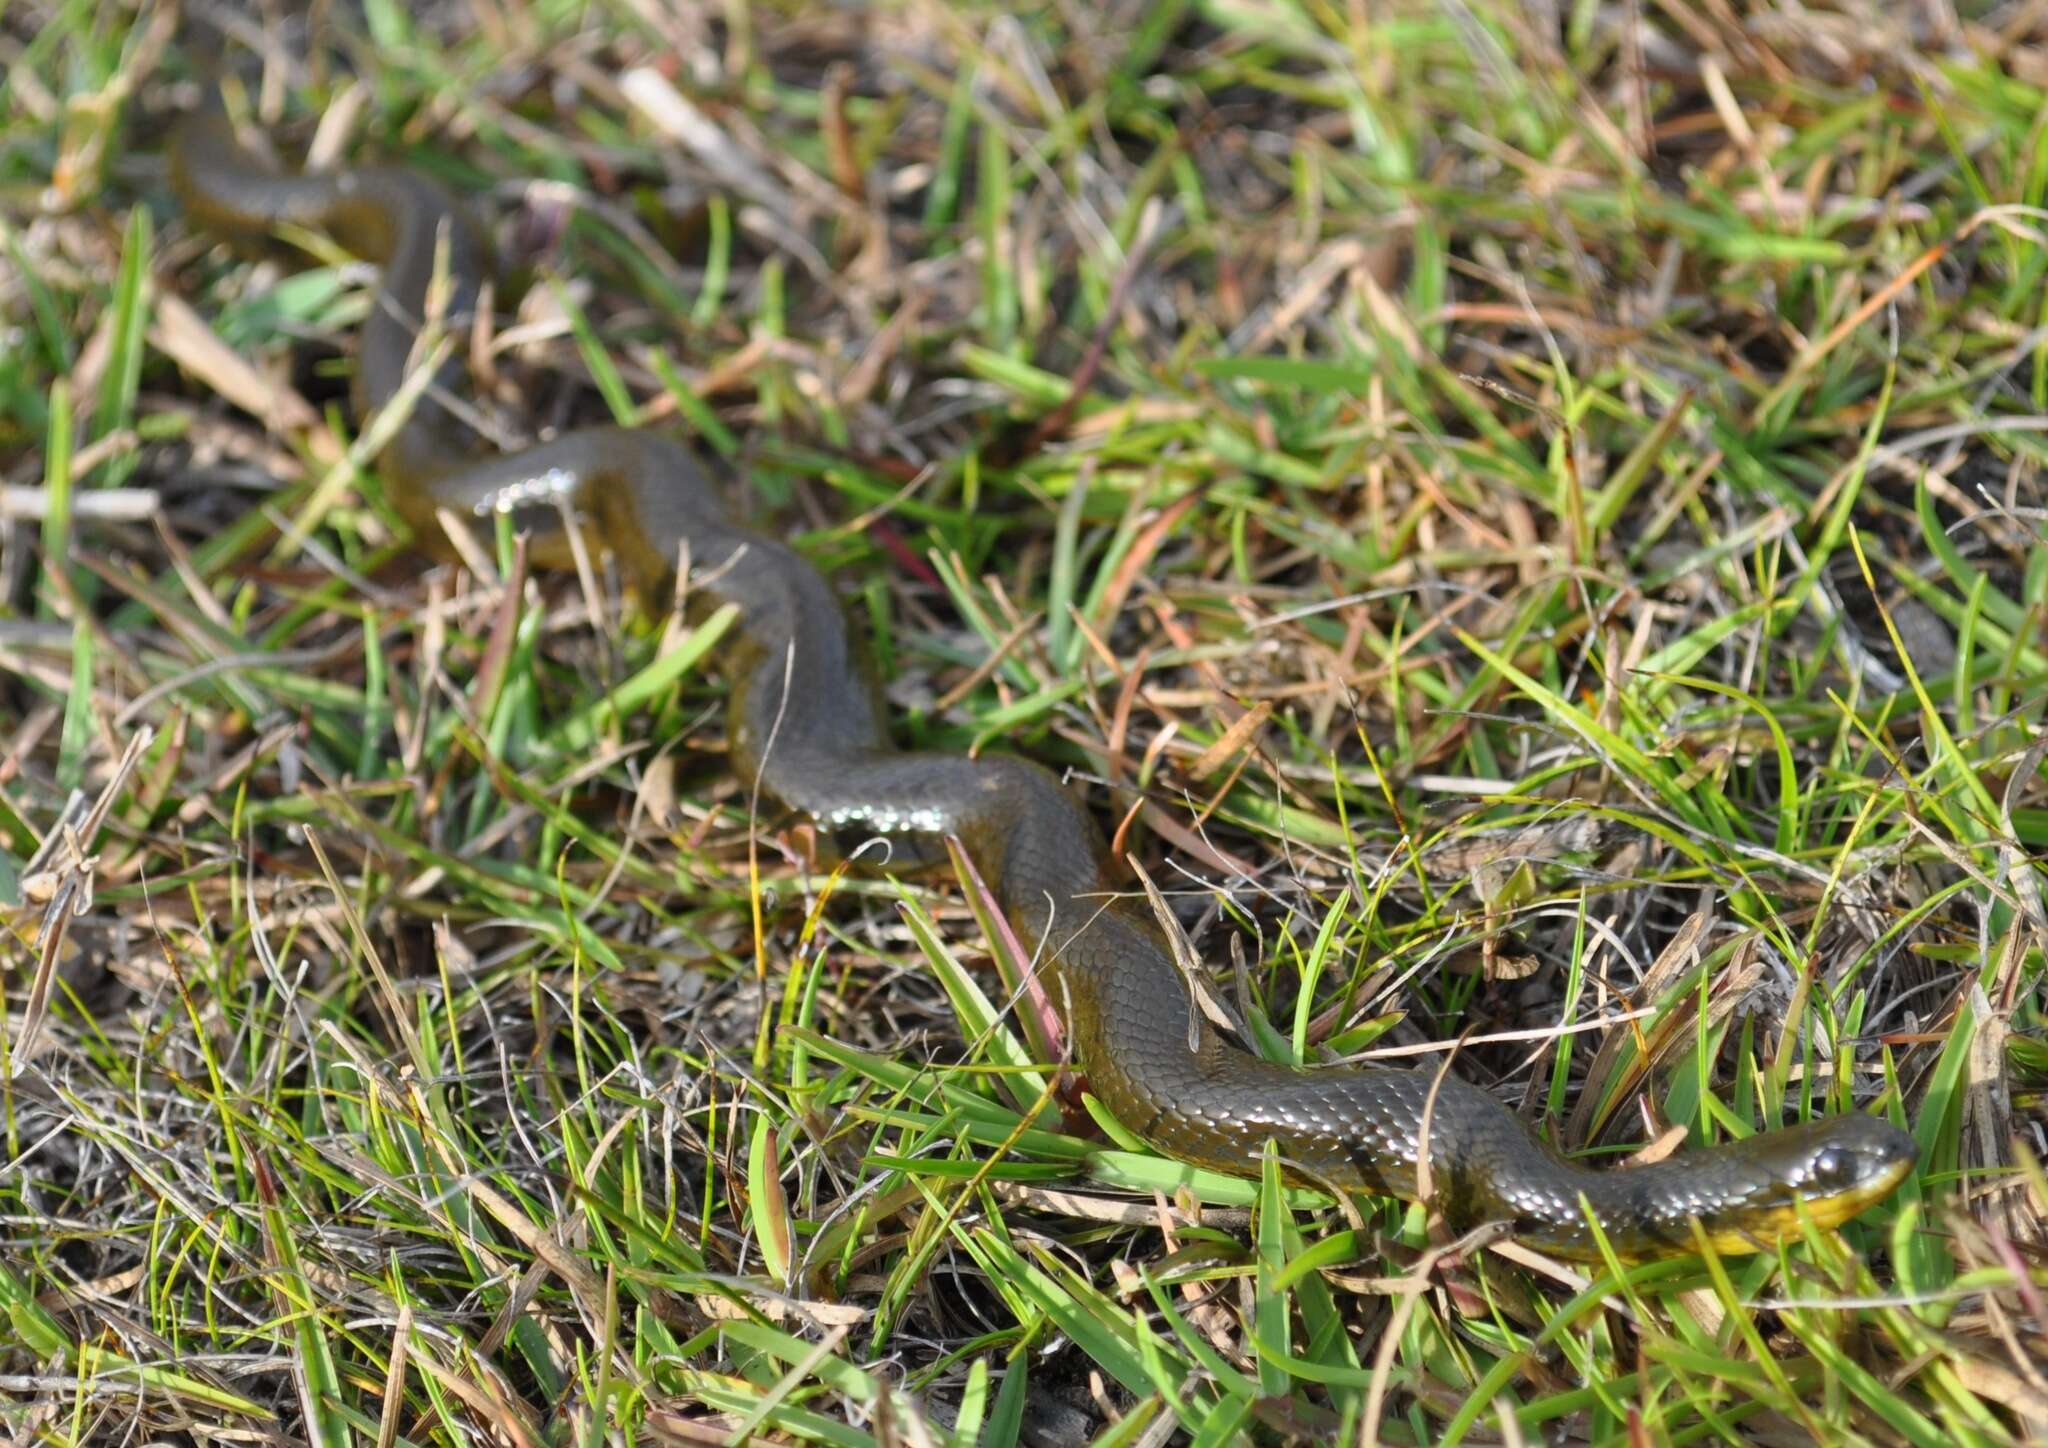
[(1834, 1167)]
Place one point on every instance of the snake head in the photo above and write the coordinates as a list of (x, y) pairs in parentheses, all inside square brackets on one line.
[(1745, 1195), (1844, 1164), (1830, 1170)]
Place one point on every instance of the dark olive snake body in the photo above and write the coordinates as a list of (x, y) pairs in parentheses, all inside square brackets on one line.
[(822, 748)]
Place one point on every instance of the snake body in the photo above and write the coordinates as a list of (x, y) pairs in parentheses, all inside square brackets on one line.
[(808, 727)]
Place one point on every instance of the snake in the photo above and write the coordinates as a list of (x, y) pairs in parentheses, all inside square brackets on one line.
[(806, 725)]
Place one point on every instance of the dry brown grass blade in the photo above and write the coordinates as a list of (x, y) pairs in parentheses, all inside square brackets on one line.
[(1610, 1077), (60, 877)]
